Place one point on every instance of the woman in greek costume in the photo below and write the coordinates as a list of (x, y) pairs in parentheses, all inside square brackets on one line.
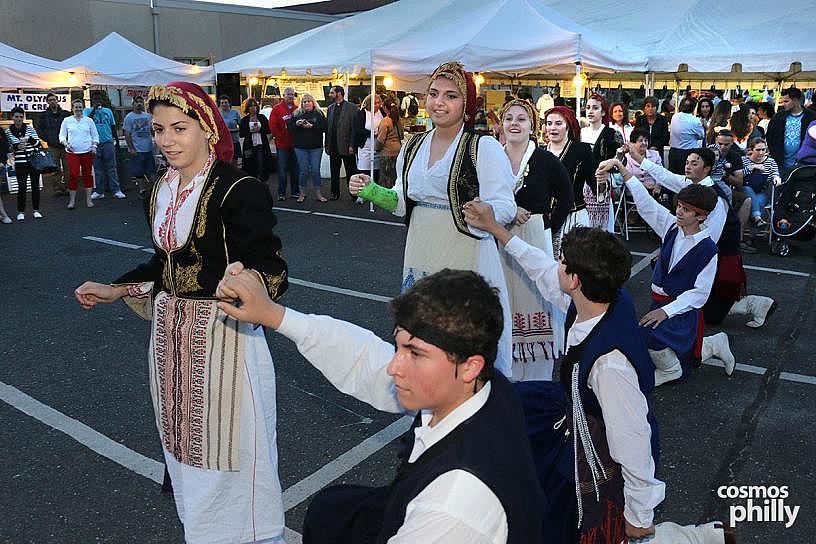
[(437, 173), (211, 378), (543, 191), (564, 141), (605, 142)]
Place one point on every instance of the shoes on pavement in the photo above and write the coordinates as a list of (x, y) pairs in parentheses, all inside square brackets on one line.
[(760, 308), (97, 196), (5, 220), (718, 347), (21, 216), (334, 197), (747, 247), (119, 194), (37, 214)]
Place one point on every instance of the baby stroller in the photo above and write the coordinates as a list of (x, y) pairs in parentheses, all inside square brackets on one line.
[(793, 210)]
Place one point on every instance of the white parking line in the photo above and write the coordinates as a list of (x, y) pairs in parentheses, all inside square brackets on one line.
[(347, 217), (339, 290), (640, 265), (154, 470), (96, 441), (111, 242), (751, 267), (643, 263), (334, 469), (295, 281)]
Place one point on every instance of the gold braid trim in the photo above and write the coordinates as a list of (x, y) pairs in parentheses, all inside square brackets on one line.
[(202, 216), (529, 108), (468, 145), (455, 72), (179, 98)]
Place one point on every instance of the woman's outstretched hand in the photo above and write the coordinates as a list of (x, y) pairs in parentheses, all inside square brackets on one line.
[(90, 293)]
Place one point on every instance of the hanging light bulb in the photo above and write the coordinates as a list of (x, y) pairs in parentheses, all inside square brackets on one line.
[(479, 80), (388, 82), (579, 80), (253, 81)]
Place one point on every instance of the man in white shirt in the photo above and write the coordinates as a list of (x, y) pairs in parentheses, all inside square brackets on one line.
[(610, 380), (450, 488), (681, 281), (728, 294)]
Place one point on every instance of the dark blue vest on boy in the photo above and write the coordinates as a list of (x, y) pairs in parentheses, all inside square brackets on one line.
[(548, 415), (492, 445), (679, 332)]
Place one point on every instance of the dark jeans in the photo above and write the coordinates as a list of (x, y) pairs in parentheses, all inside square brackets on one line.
[(23, 171), (351, 168), (259, 158), (105, 167), (287, 164)]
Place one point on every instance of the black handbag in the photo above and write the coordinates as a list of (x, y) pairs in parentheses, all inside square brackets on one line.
[(42, 161)]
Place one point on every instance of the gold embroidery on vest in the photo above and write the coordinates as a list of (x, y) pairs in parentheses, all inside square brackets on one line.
[(187, 276), (201, 227)]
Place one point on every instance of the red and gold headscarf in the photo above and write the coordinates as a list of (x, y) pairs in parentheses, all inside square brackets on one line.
[(463, 80), (532, 113), (573, 126), (190, 97)]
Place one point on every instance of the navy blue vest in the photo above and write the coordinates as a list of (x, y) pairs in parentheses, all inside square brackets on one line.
[(493, 446), (618, 330), (681, 278)]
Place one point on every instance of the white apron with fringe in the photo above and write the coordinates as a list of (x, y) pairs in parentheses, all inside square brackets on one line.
[(433, 243), (537, 338)]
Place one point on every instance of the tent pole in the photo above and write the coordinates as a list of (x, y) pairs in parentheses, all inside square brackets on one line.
[(371, 149)]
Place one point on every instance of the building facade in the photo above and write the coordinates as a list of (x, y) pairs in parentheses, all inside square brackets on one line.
[(192, 32)]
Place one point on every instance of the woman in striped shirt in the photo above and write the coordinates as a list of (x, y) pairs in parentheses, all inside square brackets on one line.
[(759, 171), (23, 139)]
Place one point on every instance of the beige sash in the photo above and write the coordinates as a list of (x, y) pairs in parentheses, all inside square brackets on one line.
[(196, 375)]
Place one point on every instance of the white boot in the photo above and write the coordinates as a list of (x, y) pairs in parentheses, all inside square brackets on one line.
[(760, 308), (667, 366), (717, 347), (755, 306), (672, 533)]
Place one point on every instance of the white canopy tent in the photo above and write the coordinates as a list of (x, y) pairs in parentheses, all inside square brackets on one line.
[(413, 37), (116, 61), (707, 37), (713, 37), (21, 70)]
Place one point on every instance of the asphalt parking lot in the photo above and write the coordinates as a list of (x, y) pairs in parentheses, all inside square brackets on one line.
[(80, 449)]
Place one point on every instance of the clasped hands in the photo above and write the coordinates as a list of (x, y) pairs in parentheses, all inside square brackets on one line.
[(242, 295)]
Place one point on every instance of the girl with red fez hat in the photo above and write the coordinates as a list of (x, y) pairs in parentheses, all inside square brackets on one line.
[(438, 172), (218, 434), (605, 142), (564, 141)]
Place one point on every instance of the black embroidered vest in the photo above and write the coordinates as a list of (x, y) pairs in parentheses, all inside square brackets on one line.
[(463, 182)]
